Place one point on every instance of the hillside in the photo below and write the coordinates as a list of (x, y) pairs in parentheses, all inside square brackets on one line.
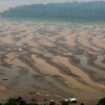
[(75, 12)]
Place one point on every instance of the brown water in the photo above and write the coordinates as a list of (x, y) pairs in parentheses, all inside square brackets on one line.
[(84, 64)]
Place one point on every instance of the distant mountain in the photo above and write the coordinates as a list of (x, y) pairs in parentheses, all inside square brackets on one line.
[(6, 4), (79, 12), (47, 1)]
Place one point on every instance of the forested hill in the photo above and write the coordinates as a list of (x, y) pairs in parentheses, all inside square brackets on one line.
[(79, 12)]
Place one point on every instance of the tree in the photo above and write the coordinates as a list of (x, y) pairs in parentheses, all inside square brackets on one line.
[(80, 12), (45, 101), (82, 104), (65, 102), (101, 101), (11, 101), (52, 103), (32, 104), (22, 102), (19, 99)]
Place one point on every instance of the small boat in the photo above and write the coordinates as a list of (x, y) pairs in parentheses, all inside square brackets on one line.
[(5, 78), (73, 100)]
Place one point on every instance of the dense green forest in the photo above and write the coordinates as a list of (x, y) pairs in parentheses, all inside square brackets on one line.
[(73, 12)]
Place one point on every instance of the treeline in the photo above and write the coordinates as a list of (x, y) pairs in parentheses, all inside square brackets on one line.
[(73, 12), (20, 101)]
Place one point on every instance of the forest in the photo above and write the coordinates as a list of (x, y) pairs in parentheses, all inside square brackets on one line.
[(72, 12)]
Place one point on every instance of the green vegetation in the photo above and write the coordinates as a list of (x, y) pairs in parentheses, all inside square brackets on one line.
[(20, 101), (101, 102), (82, 104), (68, 12), (65, 102), (52, 103)]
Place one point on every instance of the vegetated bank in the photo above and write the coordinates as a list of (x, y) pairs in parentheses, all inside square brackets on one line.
[(67, 12), (21, 101)]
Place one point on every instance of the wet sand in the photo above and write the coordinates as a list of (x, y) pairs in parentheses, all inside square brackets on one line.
[(45, 58)]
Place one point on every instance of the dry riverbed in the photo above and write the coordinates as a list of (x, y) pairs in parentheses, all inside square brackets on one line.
[(52, 60)]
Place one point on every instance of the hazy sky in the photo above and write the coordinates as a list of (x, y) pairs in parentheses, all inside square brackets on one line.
[(36, 1)]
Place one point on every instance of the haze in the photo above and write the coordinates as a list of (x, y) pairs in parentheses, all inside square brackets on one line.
[(5, 4)]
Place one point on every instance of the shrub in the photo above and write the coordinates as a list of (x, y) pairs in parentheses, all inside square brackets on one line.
[(52, 103), (82, 104), (101, 101), (11, 101), (65, 102)]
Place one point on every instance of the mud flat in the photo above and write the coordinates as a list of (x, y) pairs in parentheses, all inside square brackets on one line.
[(52, 60)]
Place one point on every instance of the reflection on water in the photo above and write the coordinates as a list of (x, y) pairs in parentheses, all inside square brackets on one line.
[(84, 64), (10, 73), (61, 86), (99, 61)]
